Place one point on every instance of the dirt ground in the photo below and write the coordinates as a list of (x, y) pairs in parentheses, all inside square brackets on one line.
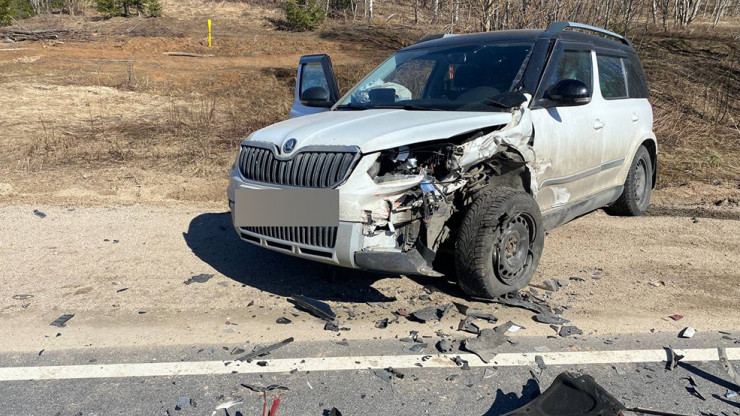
[(121, 271)]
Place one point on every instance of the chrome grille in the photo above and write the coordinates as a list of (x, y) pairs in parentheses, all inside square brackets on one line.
[(310, 169), (324, 237)]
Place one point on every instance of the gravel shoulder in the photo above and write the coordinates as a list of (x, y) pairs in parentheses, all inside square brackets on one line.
[(636, 272)]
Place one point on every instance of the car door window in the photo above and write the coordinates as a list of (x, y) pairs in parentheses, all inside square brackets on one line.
[(635, 78), (572, 64), (611, 77)]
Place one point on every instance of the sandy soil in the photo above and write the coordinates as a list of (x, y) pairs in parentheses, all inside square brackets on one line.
[(78, 260)]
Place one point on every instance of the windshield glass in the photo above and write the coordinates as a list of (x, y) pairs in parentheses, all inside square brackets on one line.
[(453, 78)]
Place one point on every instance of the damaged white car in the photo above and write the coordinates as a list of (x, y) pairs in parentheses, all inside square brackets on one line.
[(454, 156)]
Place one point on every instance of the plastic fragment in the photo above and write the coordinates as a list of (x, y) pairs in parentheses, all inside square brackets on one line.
[(264, 351), (676, 317), (39, 213), (228, 405), (548, 318), (283, 321), (62, 320), (673, 358), (431, 313), (687, 332), (569, 330), (182, 402), (261, 389), (467, 325), (484, 346), (382, 324), (540, 362), (199, 278), (335, 412), (314, 307)]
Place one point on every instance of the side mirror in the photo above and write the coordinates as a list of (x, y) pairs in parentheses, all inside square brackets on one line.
[(568, 92), (316, 97)]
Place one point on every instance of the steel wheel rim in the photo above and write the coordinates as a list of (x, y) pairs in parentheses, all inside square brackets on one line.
[(513, 254), (640, 181)]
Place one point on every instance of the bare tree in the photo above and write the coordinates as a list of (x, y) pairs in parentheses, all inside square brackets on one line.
[(686, 11)]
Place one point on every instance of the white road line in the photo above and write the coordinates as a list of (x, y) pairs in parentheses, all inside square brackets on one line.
[(66, 372)]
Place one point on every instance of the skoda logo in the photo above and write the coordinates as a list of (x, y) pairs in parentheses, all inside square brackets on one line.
[(289, 145)]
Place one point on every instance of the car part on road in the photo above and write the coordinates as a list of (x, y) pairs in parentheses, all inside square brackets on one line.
[(22, 297), (466, 324), (382, 324), (228, 405), (522, 301), (264, 351), (729, 369), (474, 313), (486, 343), (572, 395), (39, 213), (261, 389), (540, 362), (315, 307), (283, 320), (335, 412), (687, 332), (673, 358), (548, 318), (62, 320), (569, 330), (500, 242), (200, 278), (431, 313)]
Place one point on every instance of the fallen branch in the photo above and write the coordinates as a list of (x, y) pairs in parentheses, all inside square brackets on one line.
[(191, 55)]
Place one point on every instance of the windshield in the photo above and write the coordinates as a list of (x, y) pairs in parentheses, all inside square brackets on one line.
[(453, 78)]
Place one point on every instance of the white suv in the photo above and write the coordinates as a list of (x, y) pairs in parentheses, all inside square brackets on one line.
[(454, 156)]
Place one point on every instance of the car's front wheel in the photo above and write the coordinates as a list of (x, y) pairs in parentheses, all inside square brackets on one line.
[(638, 187), (499, 243)]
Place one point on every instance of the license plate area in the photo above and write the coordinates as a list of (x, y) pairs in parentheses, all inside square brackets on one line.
[(286, 207)]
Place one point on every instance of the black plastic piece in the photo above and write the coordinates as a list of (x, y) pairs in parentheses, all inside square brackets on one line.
[(573, 396)]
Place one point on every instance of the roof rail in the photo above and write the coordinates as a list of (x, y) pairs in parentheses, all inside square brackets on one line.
[(561, 26), (436, 36)]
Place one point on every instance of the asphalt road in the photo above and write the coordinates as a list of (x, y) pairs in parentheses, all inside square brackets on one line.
[(481, 390)]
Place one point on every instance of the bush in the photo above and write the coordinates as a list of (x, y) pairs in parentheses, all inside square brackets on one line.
[(304, 14), (126, 8), (14, 9)]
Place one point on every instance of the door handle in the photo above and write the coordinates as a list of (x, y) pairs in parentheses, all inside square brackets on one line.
[(635, 117), (598, 125)]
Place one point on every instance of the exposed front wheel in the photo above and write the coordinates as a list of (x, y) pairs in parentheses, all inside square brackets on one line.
[(499, 243), (635, 197)]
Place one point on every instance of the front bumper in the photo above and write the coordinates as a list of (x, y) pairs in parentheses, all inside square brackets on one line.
[(361, 201)]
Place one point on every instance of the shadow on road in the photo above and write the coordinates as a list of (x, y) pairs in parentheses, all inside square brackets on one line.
[(212, 238), (505, 403)]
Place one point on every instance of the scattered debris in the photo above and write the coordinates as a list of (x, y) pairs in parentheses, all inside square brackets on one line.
[(382, 324), (122, 290), (444, 346), (335, 412), (729, 394), (694, 388), (264, 351), (552, 285), (676, 317), (419, 347), (39, 213), (384, 375), (576, 279), (182, 402), (62, 320), (484, 346), (431, 313), (519, 300), (619, 370), (314, 307), (17, 35), (227, 405), (22, 297), (569, 330), (461, 363), (200, 278), (467, 325), (729, 369), (540, 362), (673, 358), (261, 389), (283, 320), (333, 326), (475, 313), (510, 327), (548, 318), (41, 352), (489, 372), (262, 363), (687, 332), (570, 394)]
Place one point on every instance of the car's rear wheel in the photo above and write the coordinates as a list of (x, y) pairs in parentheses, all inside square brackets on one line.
[(499, 243), (635, 198)]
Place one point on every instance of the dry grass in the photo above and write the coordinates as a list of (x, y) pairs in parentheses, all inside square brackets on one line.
[(115, 101)]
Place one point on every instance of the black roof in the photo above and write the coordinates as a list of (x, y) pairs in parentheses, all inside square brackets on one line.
[(524, 35)]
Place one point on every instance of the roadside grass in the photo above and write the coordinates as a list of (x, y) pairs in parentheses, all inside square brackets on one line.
[(200, 116)]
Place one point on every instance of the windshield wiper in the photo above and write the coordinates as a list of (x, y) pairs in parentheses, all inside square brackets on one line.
[(408, 107)]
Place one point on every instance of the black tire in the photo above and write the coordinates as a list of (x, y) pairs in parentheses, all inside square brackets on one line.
[(491, 258), (635, 198)]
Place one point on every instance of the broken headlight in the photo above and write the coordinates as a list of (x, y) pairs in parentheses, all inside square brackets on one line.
[(408, 162)]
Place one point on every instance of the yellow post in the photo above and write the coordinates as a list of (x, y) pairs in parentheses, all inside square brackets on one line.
[(209, 33)]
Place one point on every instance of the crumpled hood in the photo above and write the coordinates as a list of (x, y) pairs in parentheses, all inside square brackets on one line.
[(374, 130)]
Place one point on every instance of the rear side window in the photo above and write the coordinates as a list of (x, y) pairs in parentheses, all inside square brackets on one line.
[(636, 86), (572, 64), (611, 77)]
